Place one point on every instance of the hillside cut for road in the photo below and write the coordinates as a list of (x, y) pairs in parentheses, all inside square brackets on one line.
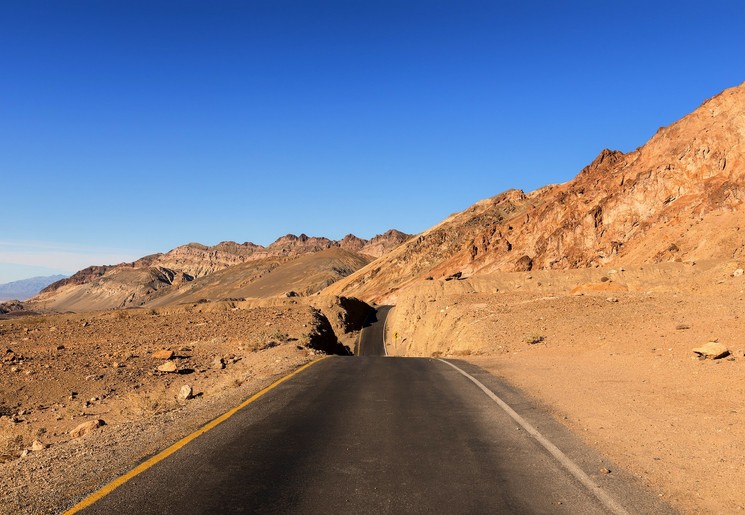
[(677, 198)]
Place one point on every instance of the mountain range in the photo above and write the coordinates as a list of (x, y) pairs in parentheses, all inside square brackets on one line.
[(292, 265), (679, 197), (26, 288)]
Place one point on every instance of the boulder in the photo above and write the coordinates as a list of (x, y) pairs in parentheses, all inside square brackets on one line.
[(86, 427), (185, 393), (163, 354), (168, 366), (712, 350)]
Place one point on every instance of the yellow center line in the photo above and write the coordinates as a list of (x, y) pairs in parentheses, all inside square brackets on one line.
[(142, 467)]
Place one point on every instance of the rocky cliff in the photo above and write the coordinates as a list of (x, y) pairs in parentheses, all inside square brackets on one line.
[(677, 198)]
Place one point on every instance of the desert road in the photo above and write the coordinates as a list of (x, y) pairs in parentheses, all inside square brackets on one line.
[(372, 434)]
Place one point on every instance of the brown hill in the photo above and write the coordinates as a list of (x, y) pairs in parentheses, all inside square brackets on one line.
[(179, 274), (270, 277), (677, 198)]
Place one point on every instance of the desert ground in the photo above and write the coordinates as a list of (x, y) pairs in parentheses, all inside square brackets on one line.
[(151, 375), (609, 352)]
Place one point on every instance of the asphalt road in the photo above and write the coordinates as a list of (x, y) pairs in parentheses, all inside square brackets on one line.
[(371, 341), (372, 434)]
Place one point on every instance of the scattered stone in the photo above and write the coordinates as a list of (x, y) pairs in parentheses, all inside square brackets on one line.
[(25, 453), (604, 279), (86, 427), (712, 350), (738, 272), (185, 393), (682, 327), (604, 470), (534, 339), (60, 347), (37, 446), (218, 363), (611, 299), (168, 366), (291, 294), (163, 354)]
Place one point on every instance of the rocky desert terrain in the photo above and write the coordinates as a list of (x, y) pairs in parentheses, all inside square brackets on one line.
[(610, 353), (148, 376), (614, 300)]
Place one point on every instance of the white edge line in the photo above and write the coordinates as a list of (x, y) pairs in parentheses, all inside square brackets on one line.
[(385, 328), (359, 341), (562, 458)]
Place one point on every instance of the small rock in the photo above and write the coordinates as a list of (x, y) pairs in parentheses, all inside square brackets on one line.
[(712, 350), (24, 453), (604, 471), (37, 446), (163, 354), (535, 339), (168, 366), (218, 363), (682, 327), (738, 272), (60, 347), (611, 299), (185, 393), (86, 427)]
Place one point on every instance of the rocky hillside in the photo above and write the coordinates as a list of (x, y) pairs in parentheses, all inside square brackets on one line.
[(270, 277), (677, 198), (228, 269)]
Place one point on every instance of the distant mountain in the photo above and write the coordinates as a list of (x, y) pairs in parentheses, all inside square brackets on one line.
[(300, 264), (26, 288)]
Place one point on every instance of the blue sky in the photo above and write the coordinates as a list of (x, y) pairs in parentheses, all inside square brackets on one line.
[(128, 127)]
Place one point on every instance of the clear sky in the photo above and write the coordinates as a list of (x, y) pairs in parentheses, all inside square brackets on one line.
[(130, 127)]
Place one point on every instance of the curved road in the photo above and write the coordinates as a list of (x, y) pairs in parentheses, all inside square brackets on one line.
[(372, 335), (377, 435)]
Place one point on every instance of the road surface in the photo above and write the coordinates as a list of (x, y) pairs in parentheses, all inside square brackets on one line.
[(371, 434), (371, 342)]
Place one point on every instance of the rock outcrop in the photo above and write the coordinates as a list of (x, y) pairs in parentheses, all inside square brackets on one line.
[(677, 198)]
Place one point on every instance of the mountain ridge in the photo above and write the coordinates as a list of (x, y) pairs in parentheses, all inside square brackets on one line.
[(679, 197), (25, 288)]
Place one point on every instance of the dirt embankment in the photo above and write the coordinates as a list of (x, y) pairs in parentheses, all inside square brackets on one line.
[(610, 353), (153, 376)]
